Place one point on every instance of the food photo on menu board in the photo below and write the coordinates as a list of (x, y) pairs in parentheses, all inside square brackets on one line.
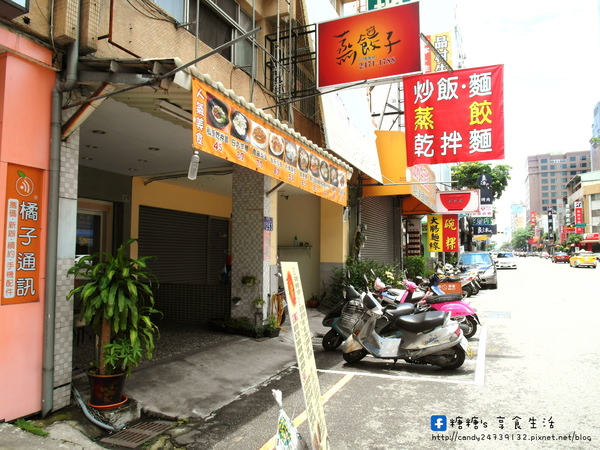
[(235, 123)]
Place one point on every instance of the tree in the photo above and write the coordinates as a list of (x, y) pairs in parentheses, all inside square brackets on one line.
[(467, 176), (574, 238), (520, 238)]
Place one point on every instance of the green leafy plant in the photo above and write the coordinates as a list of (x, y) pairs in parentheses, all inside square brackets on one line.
[(117, 301), (271, 323), (258, 302), (414, 266)]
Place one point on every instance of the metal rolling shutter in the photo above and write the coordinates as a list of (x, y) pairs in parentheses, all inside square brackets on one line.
[(377, 214), (190, 248)]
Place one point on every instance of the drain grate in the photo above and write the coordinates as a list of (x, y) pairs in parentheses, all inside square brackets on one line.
[(137, 434)]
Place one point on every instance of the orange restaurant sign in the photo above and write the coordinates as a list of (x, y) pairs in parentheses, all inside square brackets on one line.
[(381, 44), (225, 129), (22, 228)]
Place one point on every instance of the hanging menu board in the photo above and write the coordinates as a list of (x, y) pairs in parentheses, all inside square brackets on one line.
[(224, 128)]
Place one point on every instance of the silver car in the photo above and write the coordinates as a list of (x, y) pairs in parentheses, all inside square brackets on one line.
[(486, 268), (506, 260)]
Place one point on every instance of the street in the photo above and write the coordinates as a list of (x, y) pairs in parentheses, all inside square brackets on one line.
[(531, 383)]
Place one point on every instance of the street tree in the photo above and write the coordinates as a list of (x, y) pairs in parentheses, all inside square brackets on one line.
[(520, 238), (467, 176)]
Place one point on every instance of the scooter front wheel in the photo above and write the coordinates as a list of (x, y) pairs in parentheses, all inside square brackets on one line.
[(332, 340), (355, 356), (470, 325)]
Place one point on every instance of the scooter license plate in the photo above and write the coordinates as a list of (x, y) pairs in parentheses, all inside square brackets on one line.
[(466, 347)]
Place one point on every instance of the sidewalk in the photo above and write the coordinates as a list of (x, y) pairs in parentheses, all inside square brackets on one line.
[(191, 386)]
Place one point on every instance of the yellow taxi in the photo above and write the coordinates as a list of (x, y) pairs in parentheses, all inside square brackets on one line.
[(583, 259)]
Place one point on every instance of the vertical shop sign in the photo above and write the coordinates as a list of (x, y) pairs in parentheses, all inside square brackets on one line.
[(578, 209), (442, 233), (22, 234), (455, 117), (550, 225)]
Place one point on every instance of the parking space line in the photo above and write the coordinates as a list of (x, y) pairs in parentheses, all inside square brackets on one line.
[(301, 418)]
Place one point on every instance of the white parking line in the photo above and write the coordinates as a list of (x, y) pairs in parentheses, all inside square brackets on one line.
[(478, 378)]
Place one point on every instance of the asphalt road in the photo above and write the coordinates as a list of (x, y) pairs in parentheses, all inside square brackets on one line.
[(531, 384)]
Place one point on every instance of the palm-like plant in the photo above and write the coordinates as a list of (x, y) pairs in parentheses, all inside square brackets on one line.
[(117, 302)]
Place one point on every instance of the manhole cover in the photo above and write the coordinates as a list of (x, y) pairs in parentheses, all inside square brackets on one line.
[(137, 434)]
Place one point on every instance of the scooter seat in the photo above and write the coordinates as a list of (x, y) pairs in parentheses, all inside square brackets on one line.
[(435, 299), (421, 321), (400, 310), (448, 279)]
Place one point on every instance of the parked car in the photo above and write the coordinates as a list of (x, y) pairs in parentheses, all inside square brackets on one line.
[(506, 260), (486, 268), (583, 259), (560, 257)]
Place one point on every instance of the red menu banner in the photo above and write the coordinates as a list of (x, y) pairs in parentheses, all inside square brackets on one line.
[(455, 116), (223, 128), (382, 44), (22, 235), (442, 233)]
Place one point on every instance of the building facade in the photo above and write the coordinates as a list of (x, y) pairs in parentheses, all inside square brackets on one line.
[(547, 178)]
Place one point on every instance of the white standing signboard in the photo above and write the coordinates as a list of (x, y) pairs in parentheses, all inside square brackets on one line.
[(305, 355)]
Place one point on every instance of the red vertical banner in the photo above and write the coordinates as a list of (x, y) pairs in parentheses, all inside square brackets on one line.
[(455, 116), (578, 208), (22, 235), (450, 233)]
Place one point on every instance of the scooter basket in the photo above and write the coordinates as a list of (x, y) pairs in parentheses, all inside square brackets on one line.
[(352, 311)]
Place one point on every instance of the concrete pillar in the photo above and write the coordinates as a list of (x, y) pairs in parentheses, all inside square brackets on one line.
[(252, 244)]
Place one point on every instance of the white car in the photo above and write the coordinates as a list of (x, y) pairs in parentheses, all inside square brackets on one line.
[(506, 260)]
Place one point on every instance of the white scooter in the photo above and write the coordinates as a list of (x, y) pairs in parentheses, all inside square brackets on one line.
[(422, 338)]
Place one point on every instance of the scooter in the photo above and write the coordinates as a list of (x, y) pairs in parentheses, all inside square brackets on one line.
[(342, 317), (421, 338), (460, 311)]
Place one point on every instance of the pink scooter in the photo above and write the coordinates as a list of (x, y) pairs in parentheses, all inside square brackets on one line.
[(459, 310)]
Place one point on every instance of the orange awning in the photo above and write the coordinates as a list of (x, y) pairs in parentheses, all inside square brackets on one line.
[(416, 185)]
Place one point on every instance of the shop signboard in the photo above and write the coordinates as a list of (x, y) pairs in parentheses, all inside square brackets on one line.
[(579, 222), (442, 233), (374, 47), (455, 116), (22, 235), (224, 128)]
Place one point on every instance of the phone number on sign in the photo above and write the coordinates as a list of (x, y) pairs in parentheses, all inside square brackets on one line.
[(456, 436)]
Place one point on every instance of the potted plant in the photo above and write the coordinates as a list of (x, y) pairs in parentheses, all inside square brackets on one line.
[(117, 301), (271, 327), (258, 302), (248, 280)]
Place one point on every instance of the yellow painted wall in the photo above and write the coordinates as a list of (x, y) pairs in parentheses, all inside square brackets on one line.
[(164, 195), (299, 215), (334, 233)]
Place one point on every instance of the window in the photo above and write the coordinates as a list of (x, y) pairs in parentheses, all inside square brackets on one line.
[(544, 168), (543, 160), (553, 180), (572, 158), (545, 202), (583, 164), (216, 26), (545, 181), (545, 194), (544, 188)]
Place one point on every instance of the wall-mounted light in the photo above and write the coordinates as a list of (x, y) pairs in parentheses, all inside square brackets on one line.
[(173, 111)]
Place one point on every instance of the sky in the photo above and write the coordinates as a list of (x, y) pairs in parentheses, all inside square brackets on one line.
[(551, 55)]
